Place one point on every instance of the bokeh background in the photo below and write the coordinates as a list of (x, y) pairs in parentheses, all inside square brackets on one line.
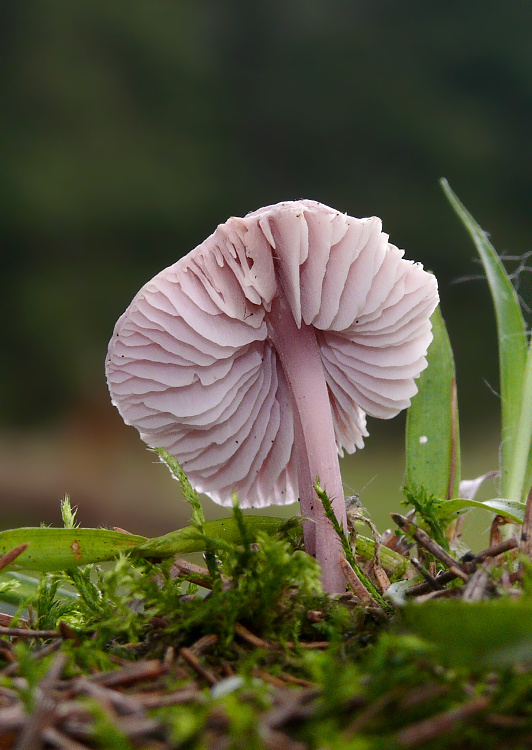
[(130, 129)]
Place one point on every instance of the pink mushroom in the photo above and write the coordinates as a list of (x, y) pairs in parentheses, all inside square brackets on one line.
[(254, 359)]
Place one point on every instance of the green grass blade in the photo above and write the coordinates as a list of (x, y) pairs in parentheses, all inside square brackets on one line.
[(520, 470), (60, 549), (190, 539), (26, 588), (511, 332), (432, 434)]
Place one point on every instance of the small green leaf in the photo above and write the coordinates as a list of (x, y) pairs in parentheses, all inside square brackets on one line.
[(489, 633), (511, 333), (511, 509), (432, 434)]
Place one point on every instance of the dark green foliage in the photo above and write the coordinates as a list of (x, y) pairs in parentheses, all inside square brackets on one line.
[(430, 511), (380, 681), (266, 586), (372, 684), (51, 608)]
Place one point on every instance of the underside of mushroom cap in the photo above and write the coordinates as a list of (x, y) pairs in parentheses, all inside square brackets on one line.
[(192, 366)]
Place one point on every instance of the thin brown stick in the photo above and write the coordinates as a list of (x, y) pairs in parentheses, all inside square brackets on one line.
[(431, 580), (382, 578), (286, 677), (137, 727), (62, 741), (495, 530), (250, 637), (496, 550), (194, 573), (192, 660), (447, 576), (478, 584), (429, 729), (186, 694), (271, 679), (202, 644), (11, 718), (356, 585), (8, 558), (146, 670), (525, 543), (431, 546), (6, 620), (29, 633), (42, 716)]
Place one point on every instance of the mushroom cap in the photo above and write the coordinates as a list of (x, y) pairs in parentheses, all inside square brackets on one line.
[(191, 365)]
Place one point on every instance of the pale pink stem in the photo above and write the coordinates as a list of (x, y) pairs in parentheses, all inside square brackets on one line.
[(316, 452)]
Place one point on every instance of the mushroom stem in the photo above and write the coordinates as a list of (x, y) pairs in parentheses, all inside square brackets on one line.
[(315, 445)]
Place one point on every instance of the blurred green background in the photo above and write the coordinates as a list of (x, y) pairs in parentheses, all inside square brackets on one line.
[(130, 129)]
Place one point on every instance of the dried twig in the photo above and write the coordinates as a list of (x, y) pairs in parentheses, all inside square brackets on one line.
[(194, 573), (432, 582), (192, 660), (144, 670), (477, 585), (61, 741), (429, 729), (8, 557), (6, 620), (431, 546), (382, 578), (43, 714), (496, 550), (204, 643), (356, 585), (250, 637), (29, 633), (265, 676), (525, 542)]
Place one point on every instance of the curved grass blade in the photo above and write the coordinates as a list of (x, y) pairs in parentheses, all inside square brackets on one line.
[(511, 332), (432, 433), (25, 587), (60, 549), (520, 470), (191, 539)]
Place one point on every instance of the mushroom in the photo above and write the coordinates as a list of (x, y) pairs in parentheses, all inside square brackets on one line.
[(255, 358)]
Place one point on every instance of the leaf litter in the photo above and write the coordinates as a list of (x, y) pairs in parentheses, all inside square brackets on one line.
[(245, 650)]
